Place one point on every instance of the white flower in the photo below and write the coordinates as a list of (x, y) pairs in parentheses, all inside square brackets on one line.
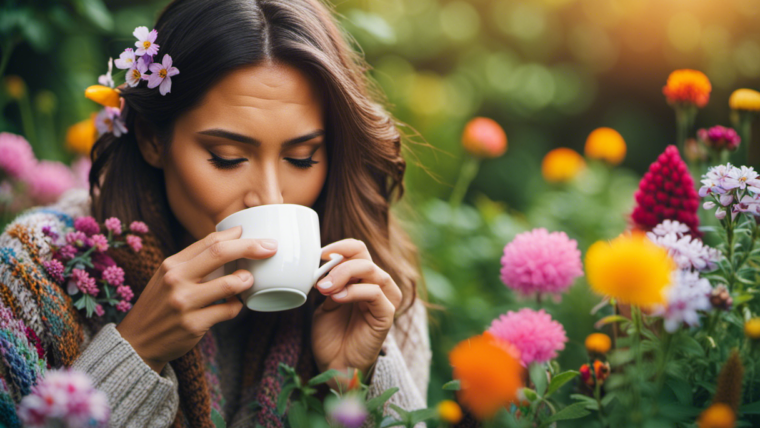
[(137, 73), (670, 226), (126, 59), (750, 204), (687, 252), (106, 79), (688, 294), (744, 176), (145, 41)]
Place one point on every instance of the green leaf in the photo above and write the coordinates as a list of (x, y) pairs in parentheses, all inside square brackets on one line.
[(609, 320), (538, 377), (79, 304), (573, 411), (588, 402), (559, 380), (530, 394), (689, 345), (297, 416), (89, 303), (420, 415), (381, 399), (324, 377), (95, 12), (750, 409), (282, 399), (453, 385), (390, 421), (681, 389), (314, 404), (608, 399), (217, 419)]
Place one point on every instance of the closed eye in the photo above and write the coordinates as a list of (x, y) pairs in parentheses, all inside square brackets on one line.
[(222, 163)]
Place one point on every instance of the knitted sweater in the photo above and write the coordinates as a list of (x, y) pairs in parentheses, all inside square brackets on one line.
[(137, 395)]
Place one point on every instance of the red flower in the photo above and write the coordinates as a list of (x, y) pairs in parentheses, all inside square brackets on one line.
[(667, 192)]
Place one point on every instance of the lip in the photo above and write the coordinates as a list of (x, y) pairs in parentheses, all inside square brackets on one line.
[(303, 207)]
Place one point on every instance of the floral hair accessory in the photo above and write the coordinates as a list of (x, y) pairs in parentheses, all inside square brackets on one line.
[(139, 65)]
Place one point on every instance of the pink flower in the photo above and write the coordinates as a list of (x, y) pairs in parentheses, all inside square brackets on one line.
[(135, 242), (125, 292), (138, 227), (541, 262), (77, 239), (145, 41), (55, 269), (48, 231), (47, 180), (161, 75), (16, 155), (64, 397), (114, 225), (114, 275), (348, 411), (99, 311), (535, 334), (123, 306), (126, 59), (720, 138), (67, 252), (100, 242), (87, 225), (84, 282), (81, 169), (137, 73)]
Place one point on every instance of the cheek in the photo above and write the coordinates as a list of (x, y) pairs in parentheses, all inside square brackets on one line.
[(304, 188)]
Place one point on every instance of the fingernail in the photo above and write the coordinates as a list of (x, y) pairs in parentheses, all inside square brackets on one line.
[(269, 244), (341, 294), (245, 276), (325, 285)]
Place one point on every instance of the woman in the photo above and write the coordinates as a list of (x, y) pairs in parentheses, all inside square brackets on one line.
[(270, 106)]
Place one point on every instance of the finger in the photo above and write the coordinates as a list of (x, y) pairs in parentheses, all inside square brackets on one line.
[(377, 303), (350, 249), (212, 238), (223, 252), (220, 312), (367, 272), (224, 287)]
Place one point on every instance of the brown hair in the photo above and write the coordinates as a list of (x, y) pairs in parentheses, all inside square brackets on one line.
[(207, 39)]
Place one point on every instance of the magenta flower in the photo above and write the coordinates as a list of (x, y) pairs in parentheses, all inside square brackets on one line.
[(64, 397), (77, 239), (16, 155), (48, 231), (541, 262), (84, 282), (123, 306), (67, 252), (720, 138), (135, 242), (161, 75), (146, 41), (534, 334), (348, 411), (47, 180), (114, 275), (126, 59), (55, 269), (125, 292), (99, 311), (100, 242), (109, 120), (87, 225), (138, 227), (137, 73), (114, 225)]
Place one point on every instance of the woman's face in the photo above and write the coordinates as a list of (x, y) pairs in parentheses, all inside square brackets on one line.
[(257, 138)]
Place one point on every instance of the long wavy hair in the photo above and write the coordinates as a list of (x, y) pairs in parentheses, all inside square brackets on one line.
[(208, 39)]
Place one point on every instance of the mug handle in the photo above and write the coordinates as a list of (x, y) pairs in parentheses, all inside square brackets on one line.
[(336, 258)]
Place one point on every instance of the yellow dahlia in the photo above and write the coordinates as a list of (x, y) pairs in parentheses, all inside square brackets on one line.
[(449, 411), (598, 343), (605, 144), (745, 99), (561, 165)]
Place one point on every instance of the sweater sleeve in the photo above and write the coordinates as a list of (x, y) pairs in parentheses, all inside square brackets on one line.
[(405, 363), (137, 395)]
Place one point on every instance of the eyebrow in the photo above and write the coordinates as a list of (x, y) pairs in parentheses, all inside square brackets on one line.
[(216, 132)]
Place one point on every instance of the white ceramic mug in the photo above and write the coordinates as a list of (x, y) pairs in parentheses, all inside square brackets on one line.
[(282, 281)]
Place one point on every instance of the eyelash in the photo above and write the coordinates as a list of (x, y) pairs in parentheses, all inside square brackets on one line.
[(222, 163)]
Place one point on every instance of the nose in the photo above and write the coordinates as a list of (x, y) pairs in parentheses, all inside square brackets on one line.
[(264, 187)]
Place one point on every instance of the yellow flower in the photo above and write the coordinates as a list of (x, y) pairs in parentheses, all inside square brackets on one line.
[(561, 165), (745, 99), (483, 137), (82, 135), (449, 411), (103, 95), (719, 415), (606, 144), (15, 86), (752, 328), (687, 87), (630, 268), (598, 343)]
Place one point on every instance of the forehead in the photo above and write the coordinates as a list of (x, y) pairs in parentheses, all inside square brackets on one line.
[(266, 94)]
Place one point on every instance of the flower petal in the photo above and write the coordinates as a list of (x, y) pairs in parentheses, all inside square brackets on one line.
[(141, 33), (155, 67), (154, 80), (167, 61), (152, 35), (166, 86), (172, 71)]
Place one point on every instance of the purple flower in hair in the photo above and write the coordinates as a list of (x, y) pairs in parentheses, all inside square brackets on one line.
[(145, 41), (137, 73), (126, 59), (161, 75)]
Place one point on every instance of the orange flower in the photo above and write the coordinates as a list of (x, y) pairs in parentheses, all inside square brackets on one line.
[(82, 135), (561, 165), (103, 95), (598, 343), (719, 415), (483, 137), (489, 374), (449, 411), (687, 87), (605, 144)]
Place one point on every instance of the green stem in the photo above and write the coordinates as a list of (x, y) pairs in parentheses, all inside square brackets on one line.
[(27, 119), (8, 47), (637, 324), (466, 174), (684, 118)]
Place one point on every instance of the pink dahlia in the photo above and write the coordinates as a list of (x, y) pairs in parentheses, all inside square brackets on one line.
[(47, 180), (534, 334), (87, 224), (541, 262), (16, 155)]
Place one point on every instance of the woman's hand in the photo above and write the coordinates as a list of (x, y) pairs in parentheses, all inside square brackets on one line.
[(351, 325), (173, 313)]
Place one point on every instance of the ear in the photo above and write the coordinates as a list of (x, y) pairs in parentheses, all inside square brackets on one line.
[(148, 144)]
